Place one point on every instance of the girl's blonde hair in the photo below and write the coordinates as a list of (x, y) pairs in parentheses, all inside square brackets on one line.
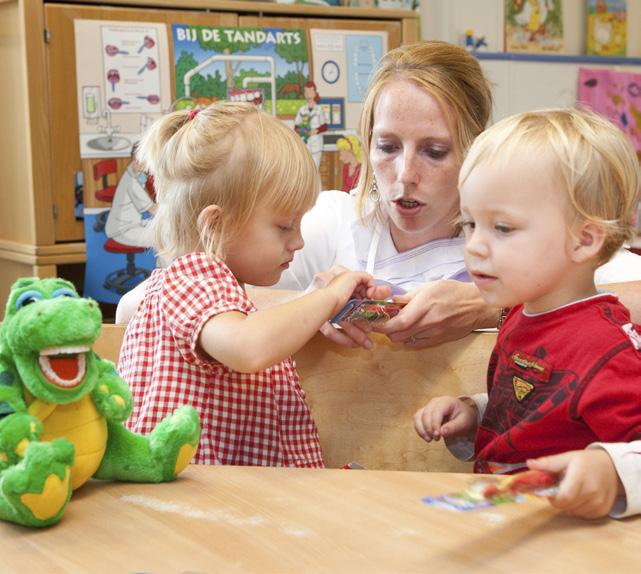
[(449, 74), (591, 159), (232, 155), (351, 143)]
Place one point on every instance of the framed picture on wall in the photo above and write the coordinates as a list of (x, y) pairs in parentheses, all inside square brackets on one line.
[(534, 26), (607, 28)]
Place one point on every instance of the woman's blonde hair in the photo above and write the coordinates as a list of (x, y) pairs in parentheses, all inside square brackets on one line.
[(449, 74), (231, 155), (353, 144), (591, 159)]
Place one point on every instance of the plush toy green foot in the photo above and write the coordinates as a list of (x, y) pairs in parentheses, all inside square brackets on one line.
[(35, 491), (57, 396), (157, 458)]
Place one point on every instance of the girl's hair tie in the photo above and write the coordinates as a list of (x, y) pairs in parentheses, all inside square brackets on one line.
[(193, 113)]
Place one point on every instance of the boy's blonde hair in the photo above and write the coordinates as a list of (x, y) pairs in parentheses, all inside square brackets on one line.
[(232, 155), (448, 73), (590, 157)]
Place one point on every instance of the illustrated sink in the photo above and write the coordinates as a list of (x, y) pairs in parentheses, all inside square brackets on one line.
[(107, 143)]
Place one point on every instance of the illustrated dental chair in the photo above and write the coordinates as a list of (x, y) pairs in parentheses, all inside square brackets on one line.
[(101, 172), (123, 280)]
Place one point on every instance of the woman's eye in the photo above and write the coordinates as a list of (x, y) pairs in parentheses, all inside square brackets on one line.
[(386, 148), (285, 227), (437, 153)]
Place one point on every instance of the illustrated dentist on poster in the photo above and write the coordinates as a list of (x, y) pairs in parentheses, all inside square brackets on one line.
[(310, 122), (126, 223)]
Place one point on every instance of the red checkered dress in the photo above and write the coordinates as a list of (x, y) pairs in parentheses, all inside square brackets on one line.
[(247, 419)]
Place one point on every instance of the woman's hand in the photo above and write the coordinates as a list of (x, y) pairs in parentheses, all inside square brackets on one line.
[(440, 311), (590, 483)]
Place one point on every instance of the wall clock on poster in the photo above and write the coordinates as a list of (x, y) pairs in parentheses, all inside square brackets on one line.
[(330, 71)]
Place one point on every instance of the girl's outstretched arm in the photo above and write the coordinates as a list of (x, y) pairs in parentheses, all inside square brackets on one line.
[(251, 343)]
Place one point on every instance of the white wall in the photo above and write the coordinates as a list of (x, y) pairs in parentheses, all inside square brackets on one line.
[(518, 85)]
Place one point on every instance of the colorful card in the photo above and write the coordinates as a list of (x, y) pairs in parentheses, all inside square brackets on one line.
[(493, 491), (353, 466), (370, 310)]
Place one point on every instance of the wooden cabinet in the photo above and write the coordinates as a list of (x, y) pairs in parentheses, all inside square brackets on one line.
[(39, 148)]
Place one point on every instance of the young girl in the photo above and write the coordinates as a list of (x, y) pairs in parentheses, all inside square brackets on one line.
[(232, 185)]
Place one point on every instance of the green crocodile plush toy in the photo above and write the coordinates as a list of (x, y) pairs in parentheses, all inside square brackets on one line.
[(62, 408)]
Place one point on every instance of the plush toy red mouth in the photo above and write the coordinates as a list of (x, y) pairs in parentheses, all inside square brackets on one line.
[(63, 366)]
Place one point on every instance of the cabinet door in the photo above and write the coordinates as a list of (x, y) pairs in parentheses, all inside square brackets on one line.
[(341, 55), (63, 100)]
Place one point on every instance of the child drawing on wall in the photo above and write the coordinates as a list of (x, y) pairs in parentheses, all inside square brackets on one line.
[(351, 155)]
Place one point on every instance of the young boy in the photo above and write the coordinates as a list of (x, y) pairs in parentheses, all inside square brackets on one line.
[(547, 197)]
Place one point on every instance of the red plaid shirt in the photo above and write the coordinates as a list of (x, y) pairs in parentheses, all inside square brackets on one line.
[(247, 419)]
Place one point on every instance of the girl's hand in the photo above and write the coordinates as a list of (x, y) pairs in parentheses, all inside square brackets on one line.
[(355, 285), (440, 311), (445, 417), (346, 285), (323, 278), (351, 335), (590, 483)]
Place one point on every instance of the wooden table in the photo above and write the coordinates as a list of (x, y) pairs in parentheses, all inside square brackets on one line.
[(235, 519)]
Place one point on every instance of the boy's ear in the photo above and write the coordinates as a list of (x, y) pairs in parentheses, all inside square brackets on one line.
[(208, 217), (589, 241)]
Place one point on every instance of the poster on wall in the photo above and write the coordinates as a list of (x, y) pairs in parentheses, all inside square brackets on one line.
[(607, 28), (268, 67), (534, 26), (343, 63), (123, 85), (615, 95)]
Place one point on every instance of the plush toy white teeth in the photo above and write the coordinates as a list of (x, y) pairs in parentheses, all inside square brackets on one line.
[(69, 350), (63, 366)]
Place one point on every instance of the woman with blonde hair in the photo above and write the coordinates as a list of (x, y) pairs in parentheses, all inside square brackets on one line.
[(426, 102)]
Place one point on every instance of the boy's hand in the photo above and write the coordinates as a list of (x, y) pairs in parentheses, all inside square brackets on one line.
[(445, 417), (590, 482)]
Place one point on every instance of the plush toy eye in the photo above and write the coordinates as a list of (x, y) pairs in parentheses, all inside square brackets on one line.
[(64, 292), (27, 298)]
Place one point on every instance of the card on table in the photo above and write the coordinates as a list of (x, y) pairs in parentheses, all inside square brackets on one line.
[(492, 491), (370, 310)]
